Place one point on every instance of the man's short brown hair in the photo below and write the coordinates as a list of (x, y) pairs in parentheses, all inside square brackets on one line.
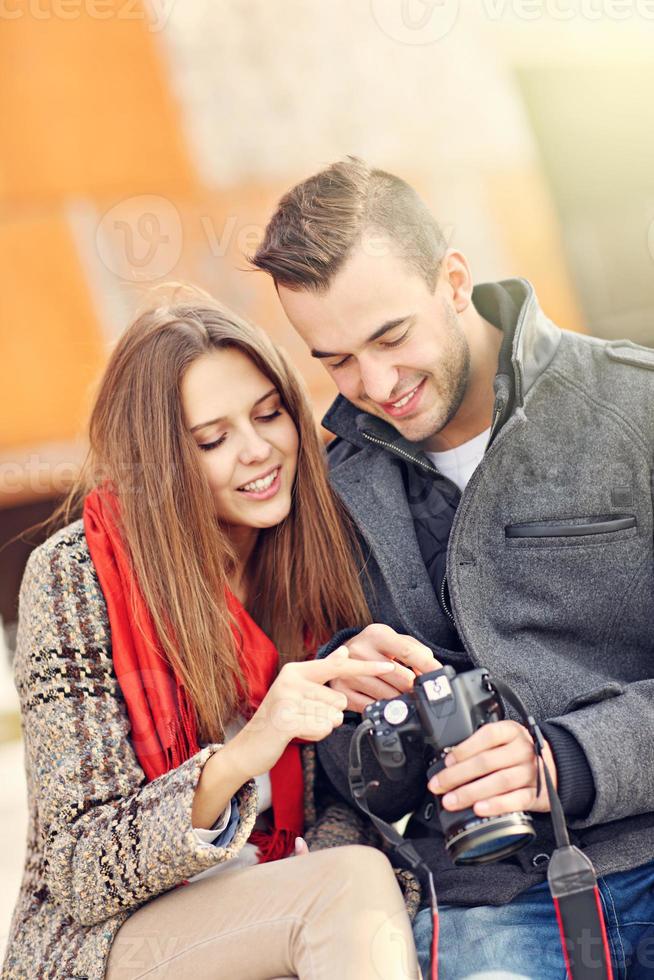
[(318, 223)]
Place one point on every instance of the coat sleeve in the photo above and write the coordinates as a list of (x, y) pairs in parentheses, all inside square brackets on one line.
[(111, 841), (613, 728)]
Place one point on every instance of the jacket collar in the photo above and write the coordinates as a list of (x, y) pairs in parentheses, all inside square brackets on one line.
[(531, 341)]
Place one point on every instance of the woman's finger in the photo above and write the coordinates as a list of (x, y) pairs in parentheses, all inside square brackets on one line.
[(301, 847), (338, 664), (316, 719), (328, 695)]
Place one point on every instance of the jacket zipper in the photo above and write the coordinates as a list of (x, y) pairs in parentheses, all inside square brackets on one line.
[(400, 452), (448, 612), (499, 408)]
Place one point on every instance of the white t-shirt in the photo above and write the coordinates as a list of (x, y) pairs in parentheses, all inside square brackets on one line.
[(459, 464), (247, 856)]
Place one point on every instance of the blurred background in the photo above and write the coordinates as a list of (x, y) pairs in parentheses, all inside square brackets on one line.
[(145, 142)]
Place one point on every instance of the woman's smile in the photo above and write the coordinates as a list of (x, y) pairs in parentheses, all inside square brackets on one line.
[(265, 486)]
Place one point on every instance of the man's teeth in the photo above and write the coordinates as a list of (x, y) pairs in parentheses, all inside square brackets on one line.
[(403, 401), (258, 485)]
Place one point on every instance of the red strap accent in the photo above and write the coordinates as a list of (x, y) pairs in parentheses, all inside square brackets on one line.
[(564, 945), (605, 939), (434, 943)]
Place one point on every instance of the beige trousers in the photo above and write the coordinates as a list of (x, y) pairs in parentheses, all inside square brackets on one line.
[(336, 914)]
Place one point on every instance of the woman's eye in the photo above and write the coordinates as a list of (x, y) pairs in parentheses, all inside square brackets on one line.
[(205, 447), (269, 418), (396, 343)]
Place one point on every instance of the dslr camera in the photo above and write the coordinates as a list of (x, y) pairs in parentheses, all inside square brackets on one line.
[(443, 709)]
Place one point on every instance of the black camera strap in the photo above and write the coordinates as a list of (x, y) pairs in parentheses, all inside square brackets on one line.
[(405, 848), (571, 876)]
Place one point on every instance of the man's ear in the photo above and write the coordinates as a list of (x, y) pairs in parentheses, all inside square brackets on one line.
[(455, 274)]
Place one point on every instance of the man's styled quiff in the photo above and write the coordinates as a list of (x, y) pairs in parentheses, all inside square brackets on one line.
[(318, 223)]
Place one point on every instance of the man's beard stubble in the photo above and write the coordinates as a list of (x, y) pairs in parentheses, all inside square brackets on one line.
[(450, 379)]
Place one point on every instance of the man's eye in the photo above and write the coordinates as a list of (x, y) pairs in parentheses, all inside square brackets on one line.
[(341, 363), (206, 446), (396, 343)]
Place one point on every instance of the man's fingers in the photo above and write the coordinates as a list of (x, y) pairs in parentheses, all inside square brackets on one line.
[(402, 679), (376, 688), (496, 784), (514, 753), (487, 737), (358, 702), (416, 656), (378, 640), (520, 799), (355, 700)]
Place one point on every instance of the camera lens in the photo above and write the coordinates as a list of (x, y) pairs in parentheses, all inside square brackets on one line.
[(487, 839)]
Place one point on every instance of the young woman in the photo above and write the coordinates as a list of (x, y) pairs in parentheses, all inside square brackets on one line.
[(168, 687)]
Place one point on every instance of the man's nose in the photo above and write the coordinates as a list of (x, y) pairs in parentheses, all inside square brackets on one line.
[(254, 448), (378, 380)]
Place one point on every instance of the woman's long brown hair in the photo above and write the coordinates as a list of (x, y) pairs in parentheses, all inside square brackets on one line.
[(304, 573)]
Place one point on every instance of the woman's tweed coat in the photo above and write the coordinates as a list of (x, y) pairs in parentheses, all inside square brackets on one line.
[(101, 841)]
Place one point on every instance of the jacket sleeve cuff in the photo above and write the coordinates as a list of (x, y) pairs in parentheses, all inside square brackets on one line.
[(576, 786), (337, 640)]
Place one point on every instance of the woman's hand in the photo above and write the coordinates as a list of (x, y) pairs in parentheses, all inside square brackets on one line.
[(494, 772), (298, 705), (375, 643)]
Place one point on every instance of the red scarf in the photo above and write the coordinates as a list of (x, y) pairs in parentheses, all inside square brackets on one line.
[(163, 727)]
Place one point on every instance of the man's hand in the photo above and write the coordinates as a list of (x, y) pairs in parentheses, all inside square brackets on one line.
[(380, 642), (494, 772)]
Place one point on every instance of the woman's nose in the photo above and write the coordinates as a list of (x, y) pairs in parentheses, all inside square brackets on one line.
[(254, 448)]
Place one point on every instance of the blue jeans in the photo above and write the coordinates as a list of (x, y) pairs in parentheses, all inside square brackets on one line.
[(520, 940)]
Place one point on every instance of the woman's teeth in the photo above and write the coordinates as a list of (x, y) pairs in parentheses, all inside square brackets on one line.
[(258, 485)]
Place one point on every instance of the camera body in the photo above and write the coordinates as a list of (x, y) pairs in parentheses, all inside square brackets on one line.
[(443, 709)]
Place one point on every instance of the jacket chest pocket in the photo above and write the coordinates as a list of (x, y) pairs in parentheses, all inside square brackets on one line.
[(571, 531)]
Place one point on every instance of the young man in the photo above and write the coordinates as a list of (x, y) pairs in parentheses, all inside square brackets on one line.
[(499, 470)]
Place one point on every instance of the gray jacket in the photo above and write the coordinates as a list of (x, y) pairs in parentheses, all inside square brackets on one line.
[(551, 577)]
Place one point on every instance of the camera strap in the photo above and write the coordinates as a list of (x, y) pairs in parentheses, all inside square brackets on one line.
[(360, 789), (571, 876)]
